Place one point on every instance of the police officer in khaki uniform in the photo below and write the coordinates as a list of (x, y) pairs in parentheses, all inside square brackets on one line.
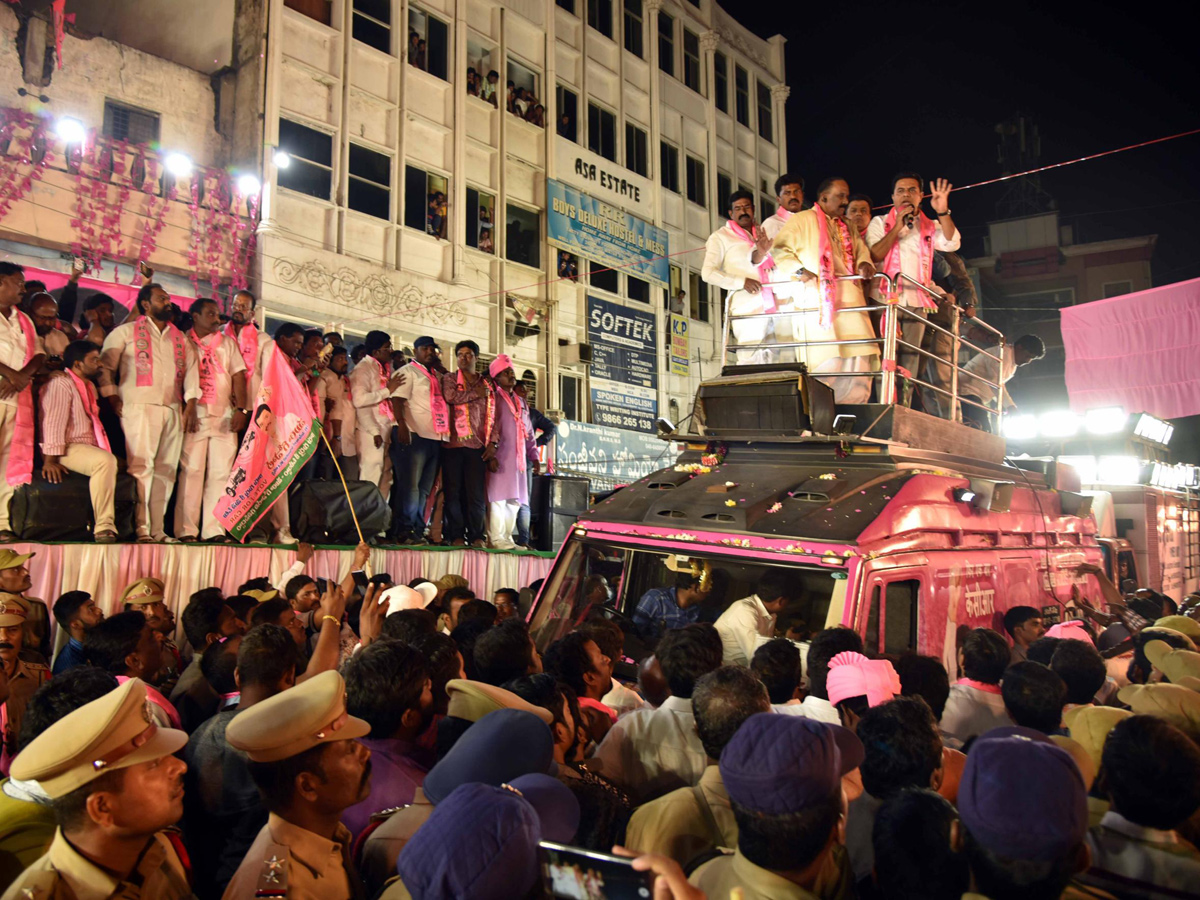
[(14, 582), (23, 677), (115, 786), (149, 597), (309, 767)]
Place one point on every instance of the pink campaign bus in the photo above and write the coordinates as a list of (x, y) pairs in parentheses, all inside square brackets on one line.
[(903, 526)]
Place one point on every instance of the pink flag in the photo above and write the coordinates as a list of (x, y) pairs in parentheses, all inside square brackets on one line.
[(281, 437)]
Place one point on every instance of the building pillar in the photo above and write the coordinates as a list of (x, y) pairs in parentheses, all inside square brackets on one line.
[(779, 95)]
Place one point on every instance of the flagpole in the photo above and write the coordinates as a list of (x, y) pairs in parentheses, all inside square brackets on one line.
[(346, 488)]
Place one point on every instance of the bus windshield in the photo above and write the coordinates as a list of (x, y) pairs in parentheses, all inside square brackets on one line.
[(596, 578)]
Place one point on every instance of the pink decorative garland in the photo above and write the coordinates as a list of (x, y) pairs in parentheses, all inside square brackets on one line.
[(14, 186)]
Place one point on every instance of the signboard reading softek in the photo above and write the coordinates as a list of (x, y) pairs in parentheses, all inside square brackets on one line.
[(603, 233), (624, 365)]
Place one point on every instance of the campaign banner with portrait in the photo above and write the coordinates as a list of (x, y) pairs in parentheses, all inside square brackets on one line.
[(599, 231), (281, 437)]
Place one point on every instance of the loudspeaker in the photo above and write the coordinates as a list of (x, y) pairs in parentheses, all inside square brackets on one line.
[(42, 511), (557, 502), (321, 515)]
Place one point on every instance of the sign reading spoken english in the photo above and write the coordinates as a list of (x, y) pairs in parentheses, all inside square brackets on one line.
[(624, 365)]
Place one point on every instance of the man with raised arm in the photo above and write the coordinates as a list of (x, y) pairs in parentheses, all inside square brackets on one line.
[(737, 258)]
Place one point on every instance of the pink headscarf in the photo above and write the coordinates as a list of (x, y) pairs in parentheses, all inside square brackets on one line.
[(853, 675), (1070, 631), (499, 364)]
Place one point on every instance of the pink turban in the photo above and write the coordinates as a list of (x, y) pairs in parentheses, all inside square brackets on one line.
[(1070, 631), (853, 675), (499, 364)]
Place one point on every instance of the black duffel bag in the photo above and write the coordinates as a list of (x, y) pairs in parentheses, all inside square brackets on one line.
[(47, 512)]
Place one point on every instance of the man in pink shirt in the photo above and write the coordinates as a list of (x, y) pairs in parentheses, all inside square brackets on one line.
[(208, 452), (73, 438)]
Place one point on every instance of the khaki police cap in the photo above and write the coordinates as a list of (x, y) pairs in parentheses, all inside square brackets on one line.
[(10, 559), (1163, 630), (472, 700), (1090, 725), (263, 596), (300, 718), (1173, 702), (1175, 664), (143, 592), (12, 610), (113, 732), (1182, 624)]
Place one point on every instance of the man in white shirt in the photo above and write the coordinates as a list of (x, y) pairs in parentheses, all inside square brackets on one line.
[(789, 191), (43, 310), (222, 411), (340, 414), (20, 358), (371, 386), (737, 259), (422, 428), (250, 341), (903, 241), (974, 378), (649, 752), (157, 384), (748, 619), (859, 214)]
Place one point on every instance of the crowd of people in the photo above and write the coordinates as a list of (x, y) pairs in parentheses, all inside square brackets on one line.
[(337, 741), (453, 452), (801, 279)]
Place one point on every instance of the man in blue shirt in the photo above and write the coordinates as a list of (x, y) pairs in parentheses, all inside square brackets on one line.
[(665, 609), (77, 614)]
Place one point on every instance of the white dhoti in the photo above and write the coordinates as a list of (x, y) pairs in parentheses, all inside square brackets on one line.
[(804, 326), (153, 442), (751, 331)]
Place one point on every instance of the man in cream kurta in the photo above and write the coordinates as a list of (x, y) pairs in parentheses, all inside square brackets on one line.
[(154, 415), (735, 258), (798, 247), (208, 453)]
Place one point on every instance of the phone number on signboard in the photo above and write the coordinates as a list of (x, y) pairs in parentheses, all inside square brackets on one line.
[(619, 421)]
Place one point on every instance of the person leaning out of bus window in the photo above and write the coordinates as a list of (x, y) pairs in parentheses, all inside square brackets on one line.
[(667, 608)]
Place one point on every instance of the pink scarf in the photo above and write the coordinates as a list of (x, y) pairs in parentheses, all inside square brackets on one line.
[(828, 287), (144, 353), (438, 408), (514, 404), (783, 213), (891, 265), (87, 395), (247, 341), (385, 405), (20, 454), (210, 365), (764, 267), (979, 685), (462, 412)]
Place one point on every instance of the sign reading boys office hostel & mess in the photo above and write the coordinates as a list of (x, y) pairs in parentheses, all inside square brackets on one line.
[(624, 366), (591, 228)]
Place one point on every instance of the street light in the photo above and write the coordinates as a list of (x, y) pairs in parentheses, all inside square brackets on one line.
[(248, 185), (178, 165), (70, 131), (1105, 420), (282, 159)]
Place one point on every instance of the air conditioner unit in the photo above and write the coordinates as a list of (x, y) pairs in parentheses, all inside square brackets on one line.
[(575, 353)]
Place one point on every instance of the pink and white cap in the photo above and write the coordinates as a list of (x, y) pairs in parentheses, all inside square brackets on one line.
[(499, 364), (853, 675), (1070, 631), (401, 597)]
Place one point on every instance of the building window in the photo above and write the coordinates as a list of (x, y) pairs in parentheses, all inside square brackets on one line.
[(310, 169), (695, 180), (691, 62), (698, 295), (428, 43), (637, 289), (721, 81), (523, 97), (602, 132), (669, 167), (602, 277), (765, 130), (633, 28), (666, 43), (675, 293), (125, 123), (636, 157), (370, 186), (1117, 288), (568, 113), (724, 189), (522, 236), (483, 75), (426, 201), (600, 16), (568, 397), (481, 217), (741, 86), (568, 5), (373, 23), (568, 266), (314, 9)]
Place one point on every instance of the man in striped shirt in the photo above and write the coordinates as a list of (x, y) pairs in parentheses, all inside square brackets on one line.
[(73, 438)]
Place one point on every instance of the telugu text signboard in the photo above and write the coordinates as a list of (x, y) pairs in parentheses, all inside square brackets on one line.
[(610, 454), (599, 231)]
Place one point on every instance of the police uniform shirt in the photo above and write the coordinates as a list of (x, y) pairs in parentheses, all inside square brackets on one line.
[(718, 878), (65, 874), (288, 861), (22, 684)]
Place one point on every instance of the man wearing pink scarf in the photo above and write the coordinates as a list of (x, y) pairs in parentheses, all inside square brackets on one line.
[(737, 258), (250, 340), (156, 385), (789, 193), (20, 358), (507, 487)]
